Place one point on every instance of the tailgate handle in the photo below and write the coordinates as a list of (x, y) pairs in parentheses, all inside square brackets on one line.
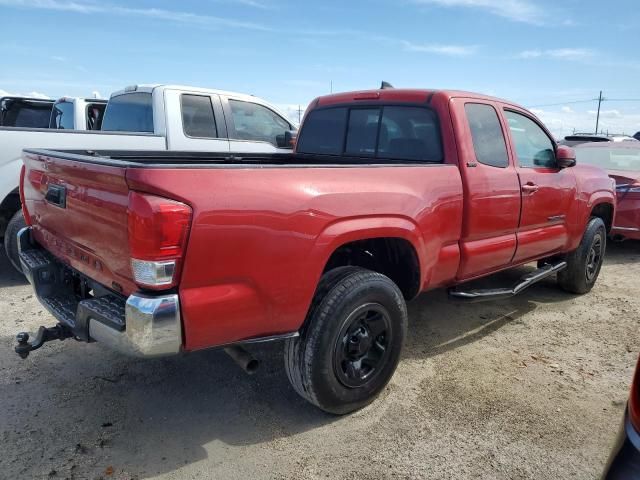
[(56, 195)]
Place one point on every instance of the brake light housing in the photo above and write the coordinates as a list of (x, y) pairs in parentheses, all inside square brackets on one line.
[(158, 229)]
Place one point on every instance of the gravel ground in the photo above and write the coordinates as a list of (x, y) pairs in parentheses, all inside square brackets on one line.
[(533, 387)]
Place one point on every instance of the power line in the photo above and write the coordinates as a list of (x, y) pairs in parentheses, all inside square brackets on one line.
[(586, 101)]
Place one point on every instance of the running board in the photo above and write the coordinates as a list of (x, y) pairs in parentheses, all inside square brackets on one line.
[(483, 295)]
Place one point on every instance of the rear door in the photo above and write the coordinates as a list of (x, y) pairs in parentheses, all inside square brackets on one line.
[(547, 191), (195, 122), (491, 189)]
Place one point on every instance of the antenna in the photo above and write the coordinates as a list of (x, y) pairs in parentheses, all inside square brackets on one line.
[(385, 85)]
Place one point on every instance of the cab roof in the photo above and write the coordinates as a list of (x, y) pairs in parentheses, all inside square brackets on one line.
[(402, 95)]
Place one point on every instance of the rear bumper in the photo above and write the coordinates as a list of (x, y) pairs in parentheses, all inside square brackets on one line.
[(139, 325)]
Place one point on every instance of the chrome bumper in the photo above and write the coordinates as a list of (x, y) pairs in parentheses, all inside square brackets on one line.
[(142, 325)]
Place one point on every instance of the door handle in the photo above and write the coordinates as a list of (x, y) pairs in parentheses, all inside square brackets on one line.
[(530, 187)]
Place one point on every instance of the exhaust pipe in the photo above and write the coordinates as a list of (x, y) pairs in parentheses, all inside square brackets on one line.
[(244, 359)]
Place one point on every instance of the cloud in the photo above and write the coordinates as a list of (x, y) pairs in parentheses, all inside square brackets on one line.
[(558, 53), (606, 113), (58, 58), (562, 122), (516, 10), (85, 7), (438, 49), (5, 93), (567, 109)]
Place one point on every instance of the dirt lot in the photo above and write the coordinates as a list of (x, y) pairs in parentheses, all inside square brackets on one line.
[(533, 387)]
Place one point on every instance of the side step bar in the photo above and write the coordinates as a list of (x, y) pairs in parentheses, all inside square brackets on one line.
[(483, 295)]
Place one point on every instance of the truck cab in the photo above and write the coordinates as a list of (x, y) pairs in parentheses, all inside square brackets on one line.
[(199, 119), (25, 112)]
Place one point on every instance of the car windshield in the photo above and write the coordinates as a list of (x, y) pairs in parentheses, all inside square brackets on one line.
[(610, 158)]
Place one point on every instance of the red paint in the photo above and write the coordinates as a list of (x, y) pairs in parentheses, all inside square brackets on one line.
[(260, 237)]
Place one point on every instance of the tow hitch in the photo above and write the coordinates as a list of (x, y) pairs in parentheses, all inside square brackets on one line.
[(44, 334)]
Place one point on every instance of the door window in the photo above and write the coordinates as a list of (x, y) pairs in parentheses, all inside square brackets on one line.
[(487, 135), (534, 148), (62, 116), (257, 123), (197, 116)]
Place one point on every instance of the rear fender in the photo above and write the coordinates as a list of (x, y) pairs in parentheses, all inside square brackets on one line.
[(362, 228)]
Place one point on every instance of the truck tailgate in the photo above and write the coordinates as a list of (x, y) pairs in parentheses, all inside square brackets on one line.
[(79, 213)]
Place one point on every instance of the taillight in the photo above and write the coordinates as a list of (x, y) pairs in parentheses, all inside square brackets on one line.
[(634, 400), (25, 213), (158, 230)]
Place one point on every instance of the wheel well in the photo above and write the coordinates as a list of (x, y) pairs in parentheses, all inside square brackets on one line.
[(394, 257), (9, 206), (605, 212)]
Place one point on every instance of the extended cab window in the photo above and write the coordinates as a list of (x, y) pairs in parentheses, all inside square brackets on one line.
[(257, 123), (391, 132), (533, 147), (129, 112), (197, 116), (487, 135), (62, 116)]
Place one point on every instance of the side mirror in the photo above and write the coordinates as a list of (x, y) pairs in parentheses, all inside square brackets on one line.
[(565, 156), (287, 139)]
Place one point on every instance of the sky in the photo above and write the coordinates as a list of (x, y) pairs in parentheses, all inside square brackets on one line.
[(552, 57)]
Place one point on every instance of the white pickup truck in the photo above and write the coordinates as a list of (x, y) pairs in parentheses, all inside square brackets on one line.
[(145, 117)]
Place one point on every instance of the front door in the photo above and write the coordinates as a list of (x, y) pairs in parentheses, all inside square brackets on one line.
[(547, 191)]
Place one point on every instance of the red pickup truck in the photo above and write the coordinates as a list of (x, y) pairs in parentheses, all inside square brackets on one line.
[(388, 194)]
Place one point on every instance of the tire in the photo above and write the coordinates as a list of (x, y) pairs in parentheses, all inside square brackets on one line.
[(584, 263), (351, 341), (11, 239)]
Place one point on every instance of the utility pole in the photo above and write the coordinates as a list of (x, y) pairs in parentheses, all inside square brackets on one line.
[(331, 87), (299, 114), (598, 116)]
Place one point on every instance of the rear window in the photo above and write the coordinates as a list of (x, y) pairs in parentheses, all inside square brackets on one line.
[(26, 114), (388, 132), (130, 112), (62, 116)]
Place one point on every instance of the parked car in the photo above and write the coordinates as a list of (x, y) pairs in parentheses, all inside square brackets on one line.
[(579, 138), (390, 193), (25, 112), (637, 136), (160, 117), (624, 461), (622, 163)]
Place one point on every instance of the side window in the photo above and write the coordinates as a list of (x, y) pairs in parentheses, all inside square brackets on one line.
[(257, 123), (323, 132), (487, 135), (197, 116), (62, 116), (362, 131), (533, 147)]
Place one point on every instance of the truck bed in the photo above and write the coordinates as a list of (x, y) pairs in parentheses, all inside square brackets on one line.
[(262, 227), (182, 159)]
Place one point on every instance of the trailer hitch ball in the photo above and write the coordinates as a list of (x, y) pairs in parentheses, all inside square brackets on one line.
[(44, 334)]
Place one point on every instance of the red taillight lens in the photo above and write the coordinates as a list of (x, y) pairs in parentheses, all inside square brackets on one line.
[(158, 230), (25, 213), (634, 400)]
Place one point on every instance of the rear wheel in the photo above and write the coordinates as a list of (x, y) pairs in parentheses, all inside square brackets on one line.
[(351, 343), (11, 239), (584, 263)]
